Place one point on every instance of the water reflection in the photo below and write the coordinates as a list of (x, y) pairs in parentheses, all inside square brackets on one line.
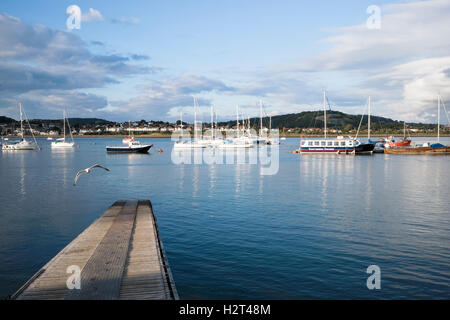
[(387, 210)]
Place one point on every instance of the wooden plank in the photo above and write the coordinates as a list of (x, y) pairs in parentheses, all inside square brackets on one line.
[(102, 275), (120, 256)]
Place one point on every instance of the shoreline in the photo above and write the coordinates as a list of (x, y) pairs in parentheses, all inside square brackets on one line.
[(281, 136)]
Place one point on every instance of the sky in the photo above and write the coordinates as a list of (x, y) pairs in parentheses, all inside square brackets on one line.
[(138, 59)]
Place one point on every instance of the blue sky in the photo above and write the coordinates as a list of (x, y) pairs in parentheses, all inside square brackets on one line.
[(146, 59)]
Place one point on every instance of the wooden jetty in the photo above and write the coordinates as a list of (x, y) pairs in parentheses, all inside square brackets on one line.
[(120, 256)]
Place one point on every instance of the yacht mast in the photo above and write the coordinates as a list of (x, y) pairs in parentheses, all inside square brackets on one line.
[(325, 113), (217, 124), (195, 119), (260, 118), (439, 116), (21, 126), (368, 121), (212, 122), (237, 121), (68, 127), (64, 123)]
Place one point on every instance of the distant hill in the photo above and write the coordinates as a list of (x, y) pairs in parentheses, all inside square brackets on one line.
[(72, 121), (335, 119), (6, 120)]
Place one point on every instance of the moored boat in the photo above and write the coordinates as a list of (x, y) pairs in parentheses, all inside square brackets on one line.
[(392, 142), (133, 147), (23, 144), (61, 143), (338, 145), (425, 148)]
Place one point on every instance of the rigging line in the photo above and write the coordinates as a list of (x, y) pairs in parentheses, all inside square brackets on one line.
[(328, 102), (68, 125), (445, 109), (29, 125), (362, 117), (329, 109)]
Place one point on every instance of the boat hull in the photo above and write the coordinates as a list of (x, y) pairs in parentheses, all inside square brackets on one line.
[(62, 145), (140, 149), (8, 147), (360, 149), (418, 150)]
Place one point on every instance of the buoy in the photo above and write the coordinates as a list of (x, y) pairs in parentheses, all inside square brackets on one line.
[(78, 146), (160, 151)]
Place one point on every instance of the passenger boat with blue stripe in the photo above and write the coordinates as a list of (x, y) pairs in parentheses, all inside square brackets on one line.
[(338, 145)]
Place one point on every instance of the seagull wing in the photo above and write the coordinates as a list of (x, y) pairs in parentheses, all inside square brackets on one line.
[(98, 166), (77, 176)]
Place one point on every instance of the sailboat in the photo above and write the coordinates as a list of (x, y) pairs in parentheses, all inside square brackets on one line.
[(196, 143), (61, 143), (338, 145), (239, 141), (425, 148), (23, 144)]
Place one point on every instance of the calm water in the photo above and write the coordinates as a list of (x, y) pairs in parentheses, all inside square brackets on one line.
[(309, 231)]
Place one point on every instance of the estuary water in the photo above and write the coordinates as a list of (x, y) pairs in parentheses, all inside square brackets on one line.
[(308, 232)]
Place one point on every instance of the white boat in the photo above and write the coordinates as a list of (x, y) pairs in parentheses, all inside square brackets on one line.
[(338, 145), (133, 147), (61, 143), (49, 138), (236, 144), (23, 144), (196, 143), (187, 144)]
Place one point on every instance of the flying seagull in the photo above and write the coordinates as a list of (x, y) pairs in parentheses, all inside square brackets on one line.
[(87, 171)]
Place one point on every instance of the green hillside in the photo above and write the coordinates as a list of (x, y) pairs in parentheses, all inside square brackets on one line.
[(335, 119)]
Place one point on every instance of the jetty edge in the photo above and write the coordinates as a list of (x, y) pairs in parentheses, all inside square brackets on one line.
[(120, 256)]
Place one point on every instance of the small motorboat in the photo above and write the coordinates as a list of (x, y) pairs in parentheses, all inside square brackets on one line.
[(133, 147), (379, 148)]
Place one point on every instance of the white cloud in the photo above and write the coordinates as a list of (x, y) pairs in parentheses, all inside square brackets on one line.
[(45, 67), (402, 66), (130, 20), (92, 16)]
